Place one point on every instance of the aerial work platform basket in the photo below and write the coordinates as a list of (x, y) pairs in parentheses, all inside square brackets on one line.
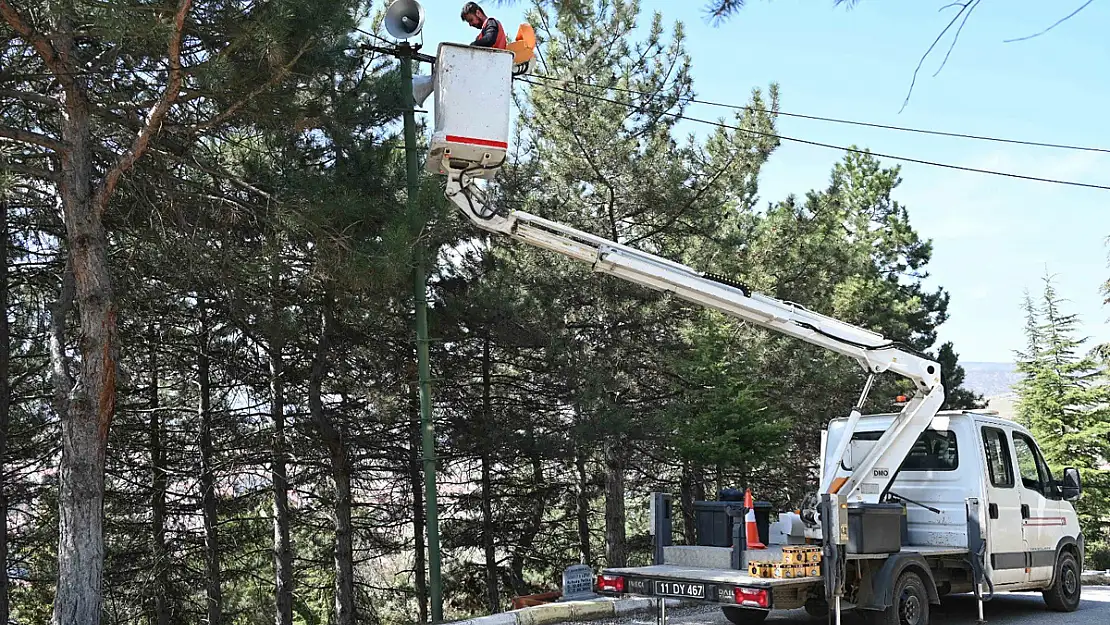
[(473, 91)]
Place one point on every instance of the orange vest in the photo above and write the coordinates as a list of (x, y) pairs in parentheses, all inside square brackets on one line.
[(502, 39)]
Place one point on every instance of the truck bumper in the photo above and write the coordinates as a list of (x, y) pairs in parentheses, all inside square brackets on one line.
[(708, 585)]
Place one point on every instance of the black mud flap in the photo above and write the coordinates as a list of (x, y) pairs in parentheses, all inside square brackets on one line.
[(883, 580)]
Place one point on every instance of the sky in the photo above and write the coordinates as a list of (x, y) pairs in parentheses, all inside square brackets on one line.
[(993, 237)]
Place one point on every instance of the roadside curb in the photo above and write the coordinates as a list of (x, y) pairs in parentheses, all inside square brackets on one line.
[(595, 609), (1096, 578), (560, 612)]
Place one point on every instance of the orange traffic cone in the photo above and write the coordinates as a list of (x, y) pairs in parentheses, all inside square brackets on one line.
[(751, 529)]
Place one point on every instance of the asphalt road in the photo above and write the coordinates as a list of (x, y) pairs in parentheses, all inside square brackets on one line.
[(1006, 609)]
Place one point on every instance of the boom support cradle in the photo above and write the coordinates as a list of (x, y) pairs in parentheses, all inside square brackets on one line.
[(869, 479)]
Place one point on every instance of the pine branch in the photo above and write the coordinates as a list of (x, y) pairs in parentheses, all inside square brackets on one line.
[(33, 172), (965, 9), (157, 113), (1057, 23), (29, 96), (275, 79), (33, 138), (41, 45)]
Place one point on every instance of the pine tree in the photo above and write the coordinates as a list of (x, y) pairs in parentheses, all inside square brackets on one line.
[(952, 377), (1063, 401)]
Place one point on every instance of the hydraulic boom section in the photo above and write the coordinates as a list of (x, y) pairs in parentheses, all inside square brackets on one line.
[(866, 481)]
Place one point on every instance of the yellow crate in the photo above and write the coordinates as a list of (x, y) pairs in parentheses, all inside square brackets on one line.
[(760, 569), (788, 571), (812, 555), (812, 570), (795, 554)]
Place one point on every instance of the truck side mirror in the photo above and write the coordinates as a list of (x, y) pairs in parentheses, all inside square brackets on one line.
[(1072, 486)]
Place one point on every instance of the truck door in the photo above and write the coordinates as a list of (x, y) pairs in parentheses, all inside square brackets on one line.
[(1042, 519), (1006, 545)]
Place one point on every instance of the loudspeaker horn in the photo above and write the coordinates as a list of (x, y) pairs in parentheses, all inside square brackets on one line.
[(422, 87), (404, 19)]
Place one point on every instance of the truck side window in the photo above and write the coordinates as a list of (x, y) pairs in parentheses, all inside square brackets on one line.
[(1034, 473), (934, 450), (999, 465)]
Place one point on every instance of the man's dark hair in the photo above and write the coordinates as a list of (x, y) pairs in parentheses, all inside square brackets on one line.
[(470, 8)]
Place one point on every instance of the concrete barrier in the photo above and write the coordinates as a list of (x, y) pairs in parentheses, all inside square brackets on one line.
[(1096, 578), (573, 611), (561, 612)]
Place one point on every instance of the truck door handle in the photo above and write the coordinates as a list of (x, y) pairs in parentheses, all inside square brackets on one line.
[(1025, 511), (993, 510)]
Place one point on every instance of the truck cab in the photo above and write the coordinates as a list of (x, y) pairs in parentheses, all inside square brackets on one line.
[(1027, 515)]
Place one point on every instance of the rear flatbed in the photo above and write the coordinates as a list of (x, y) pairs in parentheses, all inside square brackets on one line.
[(694, 574), (720, 584)]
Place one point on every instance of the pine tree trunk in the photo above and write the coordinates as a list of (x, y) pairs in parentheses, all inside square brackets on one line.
[(416, 480), (5, 406), (616, 552), (488, 531), (582, 506), (341, 476), (158, 493), (279, 478), (283, 550), (535, 519), (91, 403), (344, 543), (213, 591)]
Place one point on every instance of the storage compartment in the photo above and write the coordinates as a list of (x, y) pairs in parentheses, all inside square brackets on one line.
[(875, 527), (713, 525)]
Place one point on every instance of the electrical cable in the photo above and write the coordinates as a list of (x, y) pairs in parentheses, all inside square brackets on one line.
[(465, 184), (851, 122), (375, 35), (906, 159)]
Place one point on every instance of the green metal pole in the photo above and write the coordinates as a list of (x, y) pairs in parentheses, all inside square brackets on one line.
[(435, 584)]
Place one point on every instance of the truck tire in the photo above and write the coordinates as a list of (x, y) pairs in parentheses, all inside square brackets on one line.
[(909, 605), (1067, 586), (744, 616)]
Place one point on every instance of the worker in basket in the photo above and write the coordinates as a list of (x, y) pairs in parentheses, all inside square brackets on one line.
[(493, 33)]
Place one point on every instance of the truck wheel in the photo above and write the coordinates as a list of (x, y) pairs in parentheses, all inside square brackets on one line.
[(909, 605), (744, 616), (1063, 595)]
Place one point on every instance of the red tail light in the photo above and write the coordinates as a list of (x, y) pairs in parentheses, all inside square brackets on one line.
[(754, 597), (610, 583)]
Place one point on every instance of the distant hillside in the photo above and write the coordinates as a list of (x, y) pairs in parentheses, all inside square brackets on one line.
[(990, 379)]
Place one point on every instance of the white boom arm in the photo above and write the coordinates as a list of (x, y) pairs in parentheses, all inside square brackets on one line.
[(865, 482)]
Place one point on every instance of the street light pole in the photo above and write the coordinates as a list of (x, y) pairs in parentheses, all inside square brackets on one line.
[(406, 53)]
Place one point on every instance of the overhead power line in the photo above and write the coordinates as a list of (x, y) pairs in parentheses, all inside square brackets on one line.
[(907, 159), (836, 120)]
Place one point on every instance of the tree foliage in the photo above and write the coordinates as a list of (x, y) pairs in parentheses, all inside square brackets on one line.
[(261, 453), (1063, 400)]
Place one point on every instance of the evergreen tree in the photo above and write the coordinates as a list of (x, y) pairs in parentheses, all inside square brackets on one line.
[(952, 377), (1062, 401)]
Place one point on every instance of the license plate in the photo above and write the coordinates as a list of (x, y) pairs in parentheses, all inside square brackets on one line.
[(680, 589)]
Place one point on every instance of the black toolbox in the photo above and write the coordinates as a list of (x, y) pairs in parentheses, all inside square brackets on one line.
[(875, 527), (714, 525)]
